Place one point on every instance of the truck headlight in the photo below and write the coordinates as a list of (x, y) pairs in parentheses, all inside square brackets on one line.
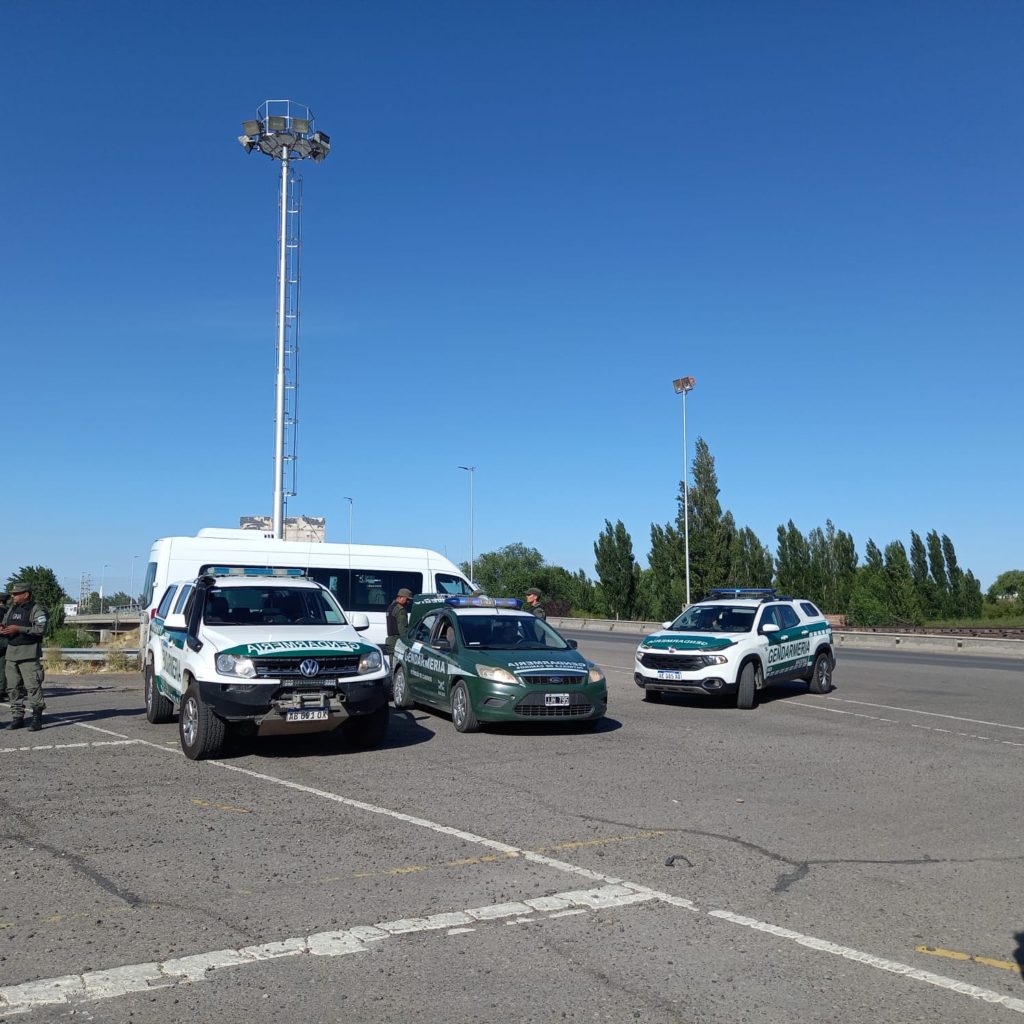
[(715, 659), (496, 675), (231, 665), (370, 661)]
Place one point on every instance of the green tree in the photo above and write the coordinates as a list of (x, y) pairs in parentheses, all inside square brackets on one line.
[(46, 591), (923, 582), (937, 567), (508, 571), (709, 529), (1009, 586), (665, 589), (793, 562), (750, 561), (901, 594), (617, 570)]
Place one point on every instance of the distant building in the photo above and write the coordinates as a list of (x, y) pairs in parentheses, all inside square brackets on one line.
[(309, 528)]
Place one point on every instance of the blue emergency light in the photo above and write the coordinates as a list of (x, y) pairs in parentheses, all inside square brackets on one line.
[(480, 601), (742, 592), (253, 570)]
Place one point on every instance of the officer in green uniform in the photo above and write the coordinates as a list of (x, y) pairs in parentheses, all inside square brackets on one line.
[(4, 598), (397, 619), (533, 603), (23, 627)]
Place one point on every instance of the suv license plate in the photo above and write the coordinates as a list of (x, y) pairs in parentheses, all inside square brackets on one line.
[(670, 675), (310, 715), (556, 700)]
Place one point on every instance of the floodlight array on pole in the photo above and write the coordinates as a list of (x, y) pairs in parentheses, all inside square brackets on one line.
[(683, 386), (284, 130)]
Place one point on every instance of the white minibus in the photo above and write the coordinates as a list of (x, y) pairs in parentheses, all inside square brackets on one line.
[(363, 577)]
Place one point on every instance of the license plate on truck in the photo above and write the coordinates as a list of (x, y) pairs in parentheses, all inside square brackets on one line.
[(556, 700), (308, 715), (670, 675)]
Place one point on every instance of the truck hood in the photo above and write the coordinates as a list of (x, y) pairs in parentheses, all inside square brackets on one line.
[(681, 643), (287, 641)]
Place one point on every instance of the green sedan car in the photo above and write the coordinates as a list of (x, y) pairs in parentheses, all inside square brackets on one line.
[(484, 659)]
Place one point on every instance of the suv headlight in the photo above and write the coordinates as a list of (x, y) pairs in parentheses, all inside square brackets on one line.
[(715, 659), (595, 675), (496, 675), (231, 665), (370, 661)]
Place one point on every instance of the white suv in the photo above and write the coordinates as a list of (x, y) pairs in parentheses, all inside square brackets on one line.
[(738, 641), (262, 655)]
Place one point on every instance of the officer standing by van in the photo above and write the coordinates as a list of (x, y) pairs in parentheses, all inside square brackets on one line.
[(23, 628), (4, 598), (533, 603), (397, 619)]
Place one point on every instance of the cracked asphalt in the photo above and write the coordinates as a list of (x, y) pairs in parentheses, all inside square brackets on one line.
[(848, 858)]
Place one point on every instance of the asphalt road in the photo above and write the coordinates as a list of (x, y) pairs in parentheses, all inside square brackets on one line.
[(848, 858)]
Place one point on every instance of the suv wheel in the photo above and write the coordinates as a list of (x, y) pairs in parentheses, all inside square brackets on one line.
[(367, 730), (462, 710), (158, 708), (400, 689), (821, 674), (746, 694), (201, 731)]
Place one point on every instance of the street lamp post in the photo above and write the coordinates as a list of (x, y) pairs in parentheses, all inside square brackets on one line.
[(471, 470), (350, 503), (349, 500), (131, 586), (103, 576), (682, 386)]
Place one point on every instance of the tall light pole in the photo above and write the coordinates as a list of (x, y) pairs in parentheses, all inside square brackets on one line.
[(471, 470), (283, 130), (349, 500), (103, 576), (682, 386), (131, 586)]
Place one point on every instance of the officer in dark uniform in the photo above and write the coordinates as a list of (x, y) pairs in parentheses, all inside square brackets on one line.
[(533, 603), (4, 598), (397, 619), (23, 627)]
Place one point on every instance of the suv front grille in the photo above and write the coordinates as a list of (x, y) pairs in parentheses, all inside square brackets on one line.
[(673, 662), (288, 668)]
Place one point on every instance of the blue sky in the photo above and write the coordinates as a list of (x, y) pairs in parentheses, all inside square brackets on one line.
[(534, 217)]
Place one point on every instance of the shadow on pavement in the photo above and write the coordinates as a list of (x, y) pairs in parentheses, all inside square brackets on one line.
[(769, 695), (1018, 953)]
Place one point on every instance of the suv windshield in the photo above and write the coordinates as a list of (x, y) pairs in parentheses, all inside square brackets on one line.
[(715, 618), (270, 606), (508, 632)]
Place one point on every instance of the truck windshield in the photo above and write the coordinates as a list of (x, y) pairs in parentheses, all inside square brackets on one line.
[(715, 618), (270, 606)]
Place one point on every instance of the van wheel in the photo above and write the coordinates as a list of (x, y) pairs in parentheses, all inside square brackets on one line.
[(746, 695), (462, 710), (158, 708), (821, 675), (201, 732), (400, 689), (366, 731)]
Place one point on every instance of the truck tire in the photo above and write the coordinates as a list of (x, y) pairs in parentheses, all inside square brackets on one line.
[(201, 732), (158, 708), (821, 674)]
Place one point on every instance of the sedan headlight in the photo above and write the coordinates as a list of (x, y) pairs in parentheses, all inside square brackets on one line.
[(370, 661), (496, 675), (595, 675), (231, 665)]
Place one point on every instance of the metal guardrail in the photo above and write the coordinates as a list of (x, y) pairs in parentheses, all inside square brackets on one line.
[(97, 654)]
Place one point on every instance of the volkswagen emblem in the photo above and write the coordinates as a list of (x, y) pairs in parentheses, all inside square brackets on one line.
[(310, 667)]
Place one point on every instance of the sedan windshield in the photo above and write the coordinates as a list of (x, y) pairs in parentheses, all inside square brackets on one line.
[(270, 606), (715, 618), (509, 632)]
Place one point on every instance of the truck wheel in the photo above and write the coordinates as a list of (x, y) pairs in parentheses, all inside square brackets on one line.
[(821, 674), (201, 731), (400, 689), (462, 709), (746, 694), (158, 708), (366, 731)]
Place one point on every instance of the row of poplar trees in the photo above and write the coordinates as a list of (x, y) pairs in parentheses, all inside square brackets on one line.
[(890, 587)]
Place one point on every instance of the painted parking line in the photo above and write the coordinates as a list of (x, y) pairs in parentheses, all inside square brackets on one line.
[(909, 725), (333, 943), (122, 981), (930, 714), (70, 746)]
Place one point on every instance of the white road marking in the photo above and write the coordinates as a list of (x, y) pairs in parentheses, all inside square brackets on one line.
[(896, 721), (880, 963), (72, 746), (932, 714), (122, 981)]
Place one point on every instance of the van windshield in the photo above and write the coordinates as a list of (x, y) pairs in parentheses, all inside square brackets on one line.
[(270, 606)]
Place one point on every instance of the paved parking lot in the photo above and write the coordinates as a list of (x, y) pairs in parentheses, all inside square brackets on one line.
[(847, 858)]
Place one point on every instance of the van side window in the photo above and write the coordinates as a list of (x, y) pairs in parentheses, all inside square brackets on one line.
[(165, 601), (366, 590), (448, 584)]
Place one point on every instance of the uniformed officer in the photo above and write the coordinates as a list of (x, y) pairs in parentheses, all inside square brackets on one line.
[(4, 598), (23, 627), (397, 619), (533, 603)]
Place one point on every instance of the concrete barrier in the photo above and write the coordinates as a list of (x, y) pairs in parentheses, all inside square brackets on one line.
[(849, 638)]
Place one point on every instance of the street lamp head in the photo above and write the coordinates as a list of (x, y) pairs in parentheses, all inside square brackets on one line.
[(469, 469), (284, 129), (684, 384)]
